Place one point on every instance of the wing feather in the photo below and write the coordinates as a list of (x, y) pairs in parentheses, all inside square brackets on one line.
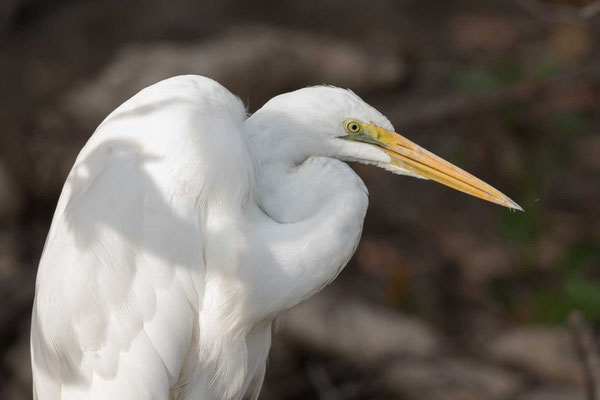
[(120, 282)]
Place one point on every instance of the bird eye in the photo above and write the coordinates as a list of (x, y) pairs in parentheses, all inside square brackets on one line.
[(352, 126)]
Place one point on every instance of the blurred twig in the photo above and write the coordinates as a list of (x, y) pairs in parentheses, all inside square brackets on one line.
[(433, 111), (553, 13), (587, 352)]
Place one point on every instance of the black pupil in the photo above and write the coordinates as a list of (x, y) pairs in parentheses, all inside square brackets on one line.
[(353, 127)]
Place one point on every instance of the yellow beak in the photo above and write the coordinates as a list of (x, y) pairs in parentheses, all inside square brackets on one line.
[(409, 156)]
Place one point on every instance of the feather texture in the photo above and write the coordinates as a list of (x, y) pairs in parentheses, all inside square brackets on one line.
[(183, 230)]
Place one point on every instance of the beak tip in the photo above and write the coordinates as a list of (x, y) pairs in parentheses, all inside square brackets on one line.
[(514, 206)]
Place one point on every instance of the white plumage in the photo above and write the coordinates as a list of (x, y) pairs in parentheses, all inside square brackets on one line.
[(185, 229)]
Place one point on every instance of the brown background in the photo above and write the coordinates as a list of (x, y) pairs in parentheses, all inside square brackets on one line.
[(448, 297)]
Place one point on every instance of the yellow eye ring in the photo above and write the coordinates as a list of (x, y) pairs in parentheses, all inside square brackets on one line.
[(352, 126)]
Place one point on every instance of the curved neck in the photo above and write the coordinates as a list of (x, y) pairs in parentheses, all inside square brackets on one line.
[(318, 206)]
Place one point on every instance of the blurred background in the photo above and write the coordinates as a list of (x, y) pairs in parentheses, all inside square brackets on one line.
[(447, 297)]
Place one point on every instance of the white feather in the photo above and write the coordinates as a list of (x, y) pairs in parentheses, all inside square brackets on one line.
[(183, 230)]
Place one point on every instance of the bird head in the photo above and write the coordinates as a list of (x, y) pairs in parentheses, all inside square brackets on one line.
[(333, 122)]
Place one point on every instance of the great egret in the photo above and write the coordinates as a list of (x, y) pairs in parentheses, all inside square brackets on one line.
[(185, 228)]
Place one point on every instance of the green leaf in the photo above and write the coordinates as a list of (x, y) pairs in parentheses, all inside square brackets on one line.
[(475, 81)]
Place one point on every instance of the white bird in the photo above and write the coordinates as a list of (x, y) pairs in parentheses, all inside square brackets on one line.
[(186, 227)]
